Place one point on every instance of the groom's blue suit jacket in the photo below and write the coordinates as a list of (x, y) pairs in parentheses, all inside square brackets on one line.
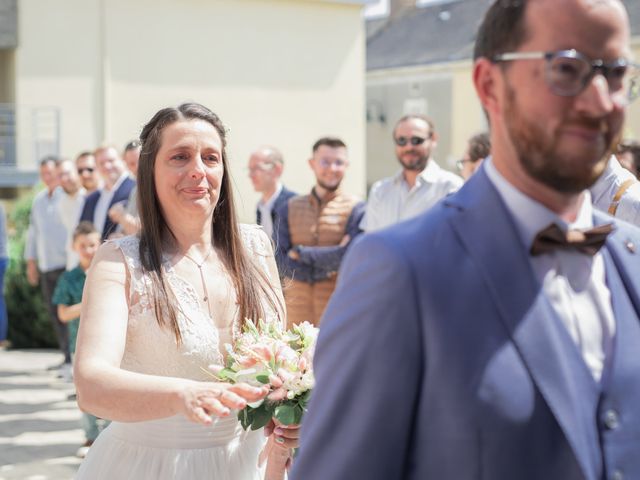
[(440, 358)]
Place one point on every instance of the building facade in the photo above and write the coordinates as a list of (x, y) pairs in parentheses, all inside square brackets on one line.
[(77, 73)]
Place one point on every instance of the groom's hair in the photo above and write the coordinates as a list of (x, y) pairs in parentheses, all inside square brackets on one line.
[(502, 30)]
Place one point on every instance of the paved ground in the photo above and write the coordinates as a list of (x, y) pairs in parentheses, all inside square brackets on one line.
[(39, 427)]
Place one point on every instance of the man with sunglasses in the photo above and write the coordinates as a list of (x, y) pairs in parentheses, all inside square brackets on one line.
[(418, 186), (89, 176), (497, 336)]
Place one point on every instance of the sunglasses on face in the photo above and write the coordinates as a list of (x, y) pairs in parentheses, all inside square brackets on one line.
[(85, 169), (415, 141)]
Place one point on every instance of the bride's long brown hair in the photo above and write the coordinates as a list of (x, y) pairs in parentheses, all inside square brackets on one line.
[(251, 284)]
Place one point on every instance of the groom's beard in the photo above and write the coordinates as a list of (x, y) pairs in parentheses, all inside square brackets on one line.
[(541, 153)]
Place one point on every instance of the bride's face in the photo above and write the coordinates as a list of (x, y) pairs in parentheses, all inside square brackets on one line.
[(188, 170)]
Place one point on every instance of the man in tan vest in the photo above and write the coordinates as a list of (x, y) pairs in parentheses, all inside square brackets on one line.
[(318, 229)]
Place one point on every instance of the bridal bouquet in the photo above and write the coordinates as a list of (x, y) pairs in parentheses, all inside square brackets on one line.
[(264, 354)]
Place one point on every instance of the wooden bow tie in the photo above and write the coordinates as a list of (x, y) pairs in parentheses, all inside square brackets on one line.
[(584, 241)]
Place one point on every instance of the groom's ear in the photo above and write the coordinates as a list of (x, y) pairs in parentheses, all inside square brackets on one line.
[(488, 82)]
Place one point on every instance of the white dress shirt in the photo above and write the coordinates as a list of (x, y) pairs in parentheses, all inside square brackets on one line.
[(102, 206), (265, 211), (70, 208), (574, 283), (392, 201), (605, 189), (47, 235)]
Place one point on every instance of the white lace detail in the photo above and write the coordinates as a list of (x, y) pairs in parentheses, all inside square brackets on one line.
[(260, 249), (154, 350)]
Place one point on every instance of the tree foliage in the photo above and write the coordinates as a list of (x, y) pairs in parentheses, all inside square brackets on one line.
[(29, 324)]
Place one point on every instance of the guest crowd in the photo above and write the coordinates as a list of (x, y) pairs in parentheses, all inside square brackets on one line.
[(94, 198)]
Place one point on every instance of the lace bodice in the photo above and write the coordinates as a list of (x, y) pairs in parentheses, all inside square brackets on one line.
[(153, 350)]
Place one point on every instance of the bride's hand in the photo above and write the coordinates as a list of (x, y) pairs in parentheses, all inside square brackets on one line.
[(284, 436), (199, 401)]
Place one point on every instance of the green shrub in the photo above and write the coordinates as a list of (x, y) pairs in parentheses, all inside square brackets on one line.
[(29, 324)]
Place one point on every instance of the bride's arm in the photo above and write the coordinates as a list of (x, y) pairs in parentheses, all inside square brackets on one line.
[(108, 391)]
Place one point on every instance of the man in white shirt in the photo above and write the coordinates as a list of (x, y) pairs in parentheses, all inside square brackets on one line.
[(45, 249), (117, 188), (265, 169), (418, 186), (499, 332), (127, 217), (70, 204)]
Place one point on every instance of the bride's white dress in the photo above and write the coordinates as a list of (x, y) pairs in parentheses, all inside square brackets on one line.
[(175, 448)]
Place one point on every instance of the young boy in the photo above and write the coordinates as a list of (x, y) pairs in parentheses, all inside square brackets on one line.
[(68, 296)]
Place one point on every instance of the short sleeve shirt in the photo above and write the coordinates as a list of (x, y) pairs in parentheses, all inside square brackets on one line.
[(69, 292)]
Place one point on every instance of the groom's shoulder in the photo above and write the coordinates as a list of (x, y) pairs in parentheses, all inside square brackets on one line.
[(412, 236)]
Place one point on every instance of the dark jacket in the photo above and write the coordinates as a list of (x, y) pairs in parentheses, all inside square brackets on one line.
[(120, 195), (282, 199)]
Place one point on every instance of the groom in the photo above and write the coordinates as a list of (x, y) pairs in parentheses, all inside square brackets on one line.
[(483, 340)]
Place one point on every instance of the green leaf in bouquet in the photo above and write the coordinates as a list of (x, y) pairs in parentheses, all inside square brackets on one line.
[(227, 374), (285, 414), (303, 399), (263, 378), (230, 361), (246, 417), (261, 416), (298, 412)]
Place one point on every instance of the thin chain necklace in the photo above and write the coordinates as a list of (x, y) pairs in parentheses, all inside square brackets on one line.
[(204, 284)]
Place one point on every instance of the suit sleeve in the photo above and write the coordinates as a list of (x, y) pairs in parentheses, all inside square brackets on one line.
[(86, 214), (283, 242), (368, 366), (329, 258)]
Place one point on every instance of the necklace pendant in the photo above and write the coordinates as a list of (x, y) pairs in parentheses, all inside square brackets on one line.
[(205, 299)]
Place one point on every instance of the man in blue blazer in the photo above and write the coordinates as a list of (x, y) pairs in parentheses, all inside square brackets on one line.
[(117, 187), (266, 166), (497, 336)]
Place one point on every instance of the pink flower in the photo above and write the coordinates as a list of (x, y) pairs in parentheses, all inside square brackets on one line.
[(275, 381), (277, 395), (286, 354), (302, 364), (246, 361), (285, 375), (263, 352)]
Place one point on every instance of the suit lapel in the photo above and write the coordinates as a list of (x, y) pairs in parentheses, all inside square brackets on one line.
[(487, 231)]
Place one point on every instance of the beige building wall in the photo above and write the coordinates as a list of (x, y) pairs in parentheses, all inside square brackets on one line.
[(283, 72)]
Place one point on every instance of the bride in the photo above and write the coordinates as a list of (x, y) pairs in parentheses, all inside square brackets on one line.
[(159, 307)]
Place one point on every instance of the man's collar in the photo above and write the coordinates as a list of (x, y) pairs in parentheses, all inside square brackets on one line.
[(531, 216), (327, 198), (427, 175), (116, 185), (272, 199)]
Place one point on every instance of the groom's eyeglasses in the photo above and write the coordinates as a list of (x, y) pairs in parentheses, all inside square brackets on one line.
[(85, 169), (568, 72), (415, 141)]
